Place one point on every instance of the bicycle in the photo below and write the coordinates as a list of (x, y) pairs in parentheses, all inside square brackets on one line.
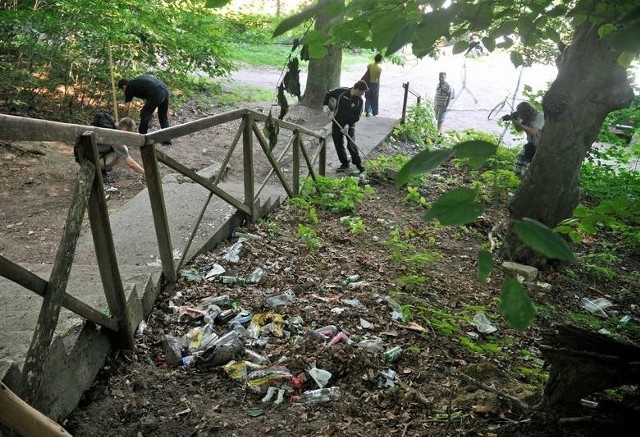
[(500, 106)]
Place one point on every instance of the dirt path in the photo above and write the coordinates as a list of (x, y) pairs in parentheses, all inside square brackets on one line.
[(480, 84)]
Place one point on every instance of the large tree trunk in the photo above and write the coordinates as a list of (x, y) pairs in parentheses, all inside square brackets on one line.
[(590, 84), (324, 73)]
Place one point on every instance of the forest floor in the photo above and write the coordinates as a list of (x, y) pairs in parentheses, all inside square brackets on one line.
[(449, 379)]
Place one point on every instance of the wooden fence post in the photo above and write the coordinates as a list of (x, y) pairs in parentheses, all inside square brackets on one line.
[(404, 103), (296, 163), (247, 161), (322, 157), (104, 247), (159, 210), (38, 353)]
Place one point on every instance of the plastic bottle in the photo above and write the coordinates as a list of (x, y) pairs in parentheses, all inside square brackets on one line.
[(232, 280), (256, 275), (319, 395), (396, 309), (392, 354), (222, 300), (281, 299)]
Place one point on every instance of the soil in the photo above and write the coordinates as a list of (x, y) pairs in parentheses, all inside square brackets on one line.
[(449, 379)]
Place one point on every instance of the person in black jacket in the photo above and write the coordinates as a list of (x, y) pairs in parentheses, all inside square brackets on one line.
[(346, 105), (155, 95)]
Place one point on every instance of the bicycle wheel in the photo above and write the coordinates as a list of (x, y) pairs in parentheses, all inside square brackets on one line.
[(496, 110)]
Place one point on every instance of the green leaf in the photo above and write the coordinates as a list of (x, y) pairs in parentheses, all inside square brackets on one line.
[(542, 239), (516, 59), (387, 27), (485, 264), (401, 38), (456, 207), (625, 39), (516, 305), (476, 151), (216, 3), (315, 42), (423, 162), (460, 47), (297, 19)]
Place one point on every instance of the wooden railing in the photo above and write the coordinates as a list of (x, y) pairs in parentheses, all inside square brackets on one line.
[(407, 90), (89, 195)]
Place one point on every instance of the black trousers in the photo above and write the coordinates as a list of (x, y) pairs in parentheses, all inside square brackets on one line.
[(160, 101), (338, 142)]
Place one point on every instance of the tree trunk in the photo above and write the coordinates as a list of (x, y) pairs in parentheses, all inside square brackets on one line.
[(324, 73), (574, 108)]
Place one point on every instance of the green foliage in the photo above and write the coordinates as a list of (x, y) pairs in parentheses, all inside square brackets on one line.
[(456, 207), (341, 195), (516, 305), (310, 236), (419, 126), (611, 199), (414, 195), (388, 29), (381, 163), (355, 224), (60, 50), (544, 240)]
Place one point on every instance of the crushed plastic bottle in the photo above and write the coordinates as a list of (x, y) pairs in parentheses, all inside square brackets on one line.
[(255, 357), (233, 253), (371, 344), (482, 324), (222, 300), (351, 279), (281, 299), (256, 275), (396, 309), (596, 306), (173, 348), (392, 354), (319, 395)]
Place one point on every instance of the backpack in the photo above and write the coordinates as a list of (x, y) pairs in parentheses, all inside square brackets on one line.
[(102, 119)]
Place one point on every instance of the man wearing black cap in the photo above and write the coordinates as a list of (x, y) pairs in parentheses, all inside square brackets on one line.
[(155, 95), (346, 106)]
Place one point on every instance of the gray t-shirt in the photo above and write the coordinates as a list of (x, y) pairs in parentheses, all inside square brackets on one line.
[(538, 122)]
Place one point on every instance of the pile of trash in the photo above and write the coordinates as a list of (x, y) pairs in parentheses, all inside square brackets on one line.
[(221, 332)]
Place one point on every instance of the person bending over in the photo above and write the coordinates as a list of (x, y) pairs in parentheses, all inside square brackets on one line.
[(529, 120), (346, 105), (155, 95)]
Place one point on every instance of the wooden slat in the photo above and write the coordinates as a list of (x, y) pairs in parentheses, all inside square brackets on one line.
[(196, 225), (38, 353), (195, 126), (36, 284), (296, 164), (159, 211), (104, 246), (31, 129), (272, 170), (249, 170), (274, 164), (258, 116), (23, 418), (206, 183)]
